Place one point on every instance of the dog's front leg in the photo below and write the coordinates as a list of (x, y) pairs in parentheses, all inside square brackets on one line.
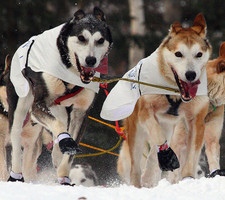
[(213, 130), (77, 119), (196, 127), (151, 173), (159, 134), (46, 89), (43, 115)]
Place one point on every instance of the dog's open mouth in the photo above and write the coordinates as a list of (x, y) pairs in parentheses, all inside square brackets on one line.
[(188, 90), (87, 73)]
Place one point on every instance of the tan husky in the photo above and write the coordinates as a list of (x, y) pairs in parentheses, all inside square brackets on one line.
[(182, 58), (214, 119)]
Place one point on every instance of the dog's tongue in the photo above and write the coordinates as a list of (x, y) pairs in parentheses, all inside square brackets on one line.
[(103, 66), (191, 88)]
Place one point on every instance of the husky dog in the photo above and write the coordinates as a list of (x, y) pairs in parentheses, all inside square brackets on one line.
[(30, 136), (82, 174), (51, 74), (213, 121), (215, 117), (179, 62)]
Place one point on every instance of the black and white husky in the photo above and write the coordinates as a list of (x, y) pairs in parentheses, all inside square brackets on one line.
[(51, 76)]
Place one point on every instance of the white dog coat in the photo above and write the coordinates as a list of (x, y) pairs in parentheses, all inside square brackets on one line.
[(43, 57), (122, 99)]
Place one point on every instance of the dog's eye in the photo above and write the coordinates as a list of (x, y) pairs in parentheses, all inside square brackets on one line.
[(101, 41), (81, 38), (178, 54), (199, 55)]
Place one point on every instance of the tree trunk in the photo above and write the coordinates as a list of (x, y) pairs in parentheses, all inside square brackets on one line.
[(172, 11), (137, 28)]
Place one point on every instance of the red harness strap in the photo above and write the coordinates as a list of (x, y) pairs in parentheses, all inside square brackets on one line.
[(67, 96), (26, 119), (118, 129)]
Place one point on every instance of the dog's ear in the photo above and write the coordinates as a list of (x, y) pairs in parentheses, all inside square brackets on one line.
[(176, 27), (79, 14), (222, 50), (7, 62), (98, 13), (220, 67), (199, 25)]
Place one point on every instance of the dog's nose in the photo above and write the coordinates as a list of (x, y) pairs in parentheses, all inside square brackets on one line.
[(90, 60), (190, 75)]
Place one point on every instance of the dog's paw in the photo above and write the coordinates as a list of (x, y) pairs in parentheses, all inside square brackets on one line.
[(168, 160), (15, 177), (65, 181), (67, 145), (219, 172)]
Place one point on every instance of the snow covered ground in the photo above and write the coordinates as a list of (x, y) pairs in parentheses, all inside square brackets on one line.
[(199, 189)]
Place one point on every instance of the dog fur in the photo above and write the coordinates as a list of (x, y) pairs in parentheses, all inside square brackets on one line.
[(82, 43), (30, 136), (151, 121), (82, 174), (213, 121)]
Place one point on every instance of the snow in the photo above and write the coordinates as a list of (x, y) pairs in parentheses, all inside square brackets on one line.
[(190, 189)]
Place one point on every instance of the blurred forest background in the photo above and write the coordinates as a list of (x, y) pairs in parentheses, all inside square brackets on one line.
[(138, 27)]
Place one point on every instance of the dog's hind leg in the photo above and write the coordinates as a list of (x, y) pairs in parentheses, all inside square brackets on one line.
[(18, 109), (31, 140), (124, 163), (3, 141), (136, 140)]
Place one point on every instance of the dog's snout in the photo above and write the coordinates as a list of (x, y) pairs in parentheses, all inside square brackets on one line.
[(90, 60), (190, 75)]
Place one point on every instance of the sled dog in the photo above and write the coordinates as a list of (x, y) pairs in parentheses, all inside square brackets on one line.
[(181, 61), (51, 75), (215, 117), (83, 174), (213, 121), (30, 136)]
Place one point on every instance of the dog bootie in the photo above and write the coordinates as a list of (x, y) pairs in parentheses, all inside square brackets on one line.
[(219, 172), (15, 177), (65, 181), (168, 160), (67, 145)]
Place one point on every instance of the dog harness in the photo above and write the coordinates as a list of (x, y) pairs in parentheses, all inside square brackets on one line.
[(122, 99), (43, 56)]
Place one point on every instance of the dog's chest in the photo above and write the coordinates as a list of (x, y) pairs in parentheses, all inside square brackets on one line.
[(174, 105)]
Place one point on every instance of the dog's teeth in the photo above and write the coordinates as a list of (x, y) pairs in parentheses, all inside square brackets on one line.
[(82, 77)]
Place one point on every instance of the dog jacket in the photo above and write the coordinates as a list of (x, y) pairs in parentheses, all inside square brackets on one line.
[(43, 56), (122, 99)]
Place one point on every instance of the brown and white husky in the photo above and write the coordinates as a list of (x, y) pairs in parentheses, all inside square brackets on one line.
[(182, 58), (213, 121)]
